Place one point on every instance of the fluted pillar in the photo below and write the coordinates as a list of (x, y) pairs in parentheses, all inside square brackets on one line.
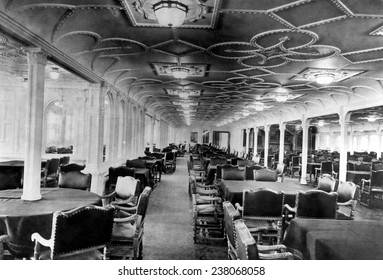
[(266, 148), (282, 128), (37, 59), (256, 129)]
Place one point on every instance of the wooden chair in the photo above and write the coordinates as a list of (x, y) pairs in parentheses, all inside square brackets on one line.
[(249, 170), (125, 193), (170, 162), (281, 170), (247, 248), (372, 188), (266, 175), (348, 197), (78, 234), (315, 204), (4, 239), (262, 212), (327, 167), (75, 180), (49, 174), (295, 165), (128, 229), (230, 215)]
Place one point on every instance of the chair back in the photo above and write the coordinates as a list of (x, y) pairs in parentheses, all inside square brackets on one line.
[(127, 186), (296, 160), (80, 229), (327, 167), (326, 183), (376, 165), (265, 175), (136, 163), (362, 167), (226, 167), (170, 156), (233, 174), (245, 162), (350, 166), (52, 166), (347, 191), (230, 215), (249, 170), (142, 204), (10, 178), (64, 160), (246, 246), (316, 204), (75, 180), (72, 167), (217, 160), (263, 203), (146, 158), (120, 171), (377, 178)]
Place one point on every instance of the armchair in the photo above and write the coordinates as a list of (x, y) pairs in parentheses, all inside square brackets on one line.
[(262, 212), (128, 229), (326, 183), (247, 248), (3, 240), (233, 174), (249, 170), (266, 175), (348, 196), (295, 164), (71, 167), (371, 188), (218, 174), (217, 160), (230, 215), (326, 167), (245, 162), (315, 204), (75, 180), (125, 193), (77, 234), (170, 162), (49, 174)]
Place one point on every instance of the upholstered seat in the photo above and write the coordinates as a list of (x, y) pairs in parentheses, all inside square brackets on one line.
[(326, 183), (265, 175), (125, 192), (76, 234)]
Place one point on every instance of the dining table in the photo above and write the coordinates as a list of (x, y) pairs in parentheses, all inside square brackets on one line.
[(331, 239), (20, 218), (233, 189)]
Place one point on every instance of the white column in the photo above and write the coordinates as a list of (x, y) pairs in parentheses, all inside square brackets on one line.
[(152, 133), (256, 129), (37, 59), (266, 149), (343, 151), (96, 135), (305, 140), (282, 128), (247, 140)]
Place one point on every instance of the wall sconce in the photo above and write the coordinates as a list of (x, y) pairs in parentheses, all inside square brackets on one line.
[(54, 74)]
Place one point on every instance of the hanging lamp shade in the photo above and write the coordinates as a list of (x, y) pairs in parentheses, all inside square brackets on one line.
[(170, 13), (324, 78)]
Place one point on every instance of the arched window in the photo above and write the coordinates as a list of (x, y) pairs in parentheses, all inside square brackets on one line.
[(60, 128)]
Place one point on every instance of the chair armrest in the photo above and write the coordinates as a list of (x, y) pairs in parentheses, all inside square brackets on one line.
[(37, 238), (276, 256), (131, 218), (268, 248), (108, 195), (129, 209), (347, 203), (238, 207)]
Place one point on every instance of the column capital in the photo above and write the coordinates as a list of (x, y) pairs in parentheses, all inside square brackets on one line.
[(37, 56)]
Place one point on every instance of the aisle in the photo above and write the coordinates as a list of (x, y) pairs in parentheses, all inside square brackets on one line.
[(168, 225)]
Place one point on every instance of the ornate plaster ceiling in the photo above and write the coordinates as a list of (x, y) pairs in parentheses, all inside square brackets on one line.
[(240, 51)]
